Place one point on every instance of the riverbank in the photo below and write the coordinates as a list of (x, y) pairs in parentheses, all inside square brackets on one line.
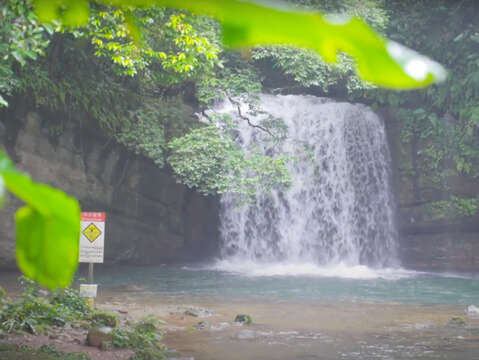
[(205, 330), (300, 330), (422, 316)]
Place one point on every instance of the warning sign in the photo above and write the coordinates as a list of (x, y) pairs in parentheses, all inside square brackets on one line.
[(92, 237), (91, 232)]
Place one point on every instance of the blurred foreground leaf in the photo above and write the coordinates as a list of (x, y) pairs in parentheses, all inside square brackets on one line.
[(47, 227), (5, 165), (246, 24)]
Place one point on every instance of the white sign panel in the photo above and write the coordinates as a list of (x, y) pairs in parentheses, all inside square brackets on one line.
[(88, 290), (92, 237)]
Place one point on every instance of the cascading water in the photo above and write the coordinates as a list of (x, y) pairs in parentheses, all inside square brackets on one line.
[(339, 208)]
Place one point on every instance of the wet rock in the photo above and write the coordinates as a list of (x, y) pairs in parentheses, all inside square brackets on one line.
[(198, 312), (97, 335), (201, 325), (244, 319)]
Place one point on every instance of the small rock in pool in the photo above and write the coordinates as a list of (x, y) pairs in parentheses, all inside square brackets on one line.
[(244, 319), (201, 325), (198, 312)]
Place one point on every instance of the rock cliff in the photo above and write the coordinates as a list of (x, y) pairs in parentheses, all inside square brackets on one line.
[(446, 243), (150, 218)]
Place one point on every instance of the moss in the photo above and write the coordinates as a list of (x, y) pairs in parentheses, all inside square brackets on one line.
[(3, 293), (104, 318)]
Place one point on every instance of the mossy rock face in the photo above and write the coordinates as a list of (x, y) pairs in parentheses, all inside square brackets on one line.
[(244, 319), (104, 318)]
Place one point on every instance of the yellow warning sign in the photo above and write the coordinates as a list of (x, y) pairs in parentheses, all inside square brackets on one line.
[(91, 232)]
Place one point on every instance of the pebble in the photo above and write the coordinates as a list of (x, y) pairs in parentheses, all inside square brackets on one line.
[(201, 325)]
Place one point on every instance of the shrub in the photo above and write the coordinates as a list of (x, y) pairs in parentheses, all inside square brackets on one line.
[(33, 314)]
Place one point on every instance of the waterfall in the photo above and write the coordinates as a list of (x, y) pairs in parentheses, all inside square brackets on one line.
[(339, 208)]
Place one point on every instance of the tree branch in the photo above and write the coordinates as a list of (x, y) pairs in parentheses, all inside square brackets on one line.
[(240, 114)]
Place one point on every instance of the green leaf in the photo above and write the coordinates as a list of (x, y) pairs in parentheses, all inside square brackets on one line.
[(247, 24), (48, 229), (2, 191), (378, 60), (5, 165), (76, 13)]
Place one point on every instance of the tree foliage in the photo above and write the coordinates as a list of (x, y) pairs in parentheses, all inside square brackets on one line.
[(208, 159), (378, 60), (22, 38), (441, 123)]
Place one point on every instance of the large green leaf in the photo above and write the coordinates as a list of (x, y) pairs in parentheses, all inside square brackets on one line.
[(48, 229), (246, 24), (5, 165)]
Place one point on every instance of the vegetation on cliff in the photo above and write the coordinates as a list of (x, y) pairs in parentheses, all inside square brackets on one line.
[(440, 125)]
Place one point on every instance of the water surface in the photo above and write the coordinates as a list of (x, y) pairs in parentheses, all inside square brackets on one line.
[(321, 284)]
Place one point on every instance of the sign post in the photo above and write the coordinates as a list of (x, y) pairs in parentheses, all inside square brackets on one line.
[(92, 245)]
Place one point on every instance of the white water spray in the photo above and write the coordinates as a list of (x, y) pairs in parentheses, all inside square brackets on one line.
[(338, 211)]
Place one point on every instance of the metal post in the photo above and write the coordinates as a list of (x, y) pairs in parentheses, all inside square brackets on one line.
[(90, 273), (90, 301)]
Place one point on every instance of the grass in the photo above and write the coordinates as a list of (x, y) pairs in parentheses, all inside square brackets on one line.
[(45, 352)]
